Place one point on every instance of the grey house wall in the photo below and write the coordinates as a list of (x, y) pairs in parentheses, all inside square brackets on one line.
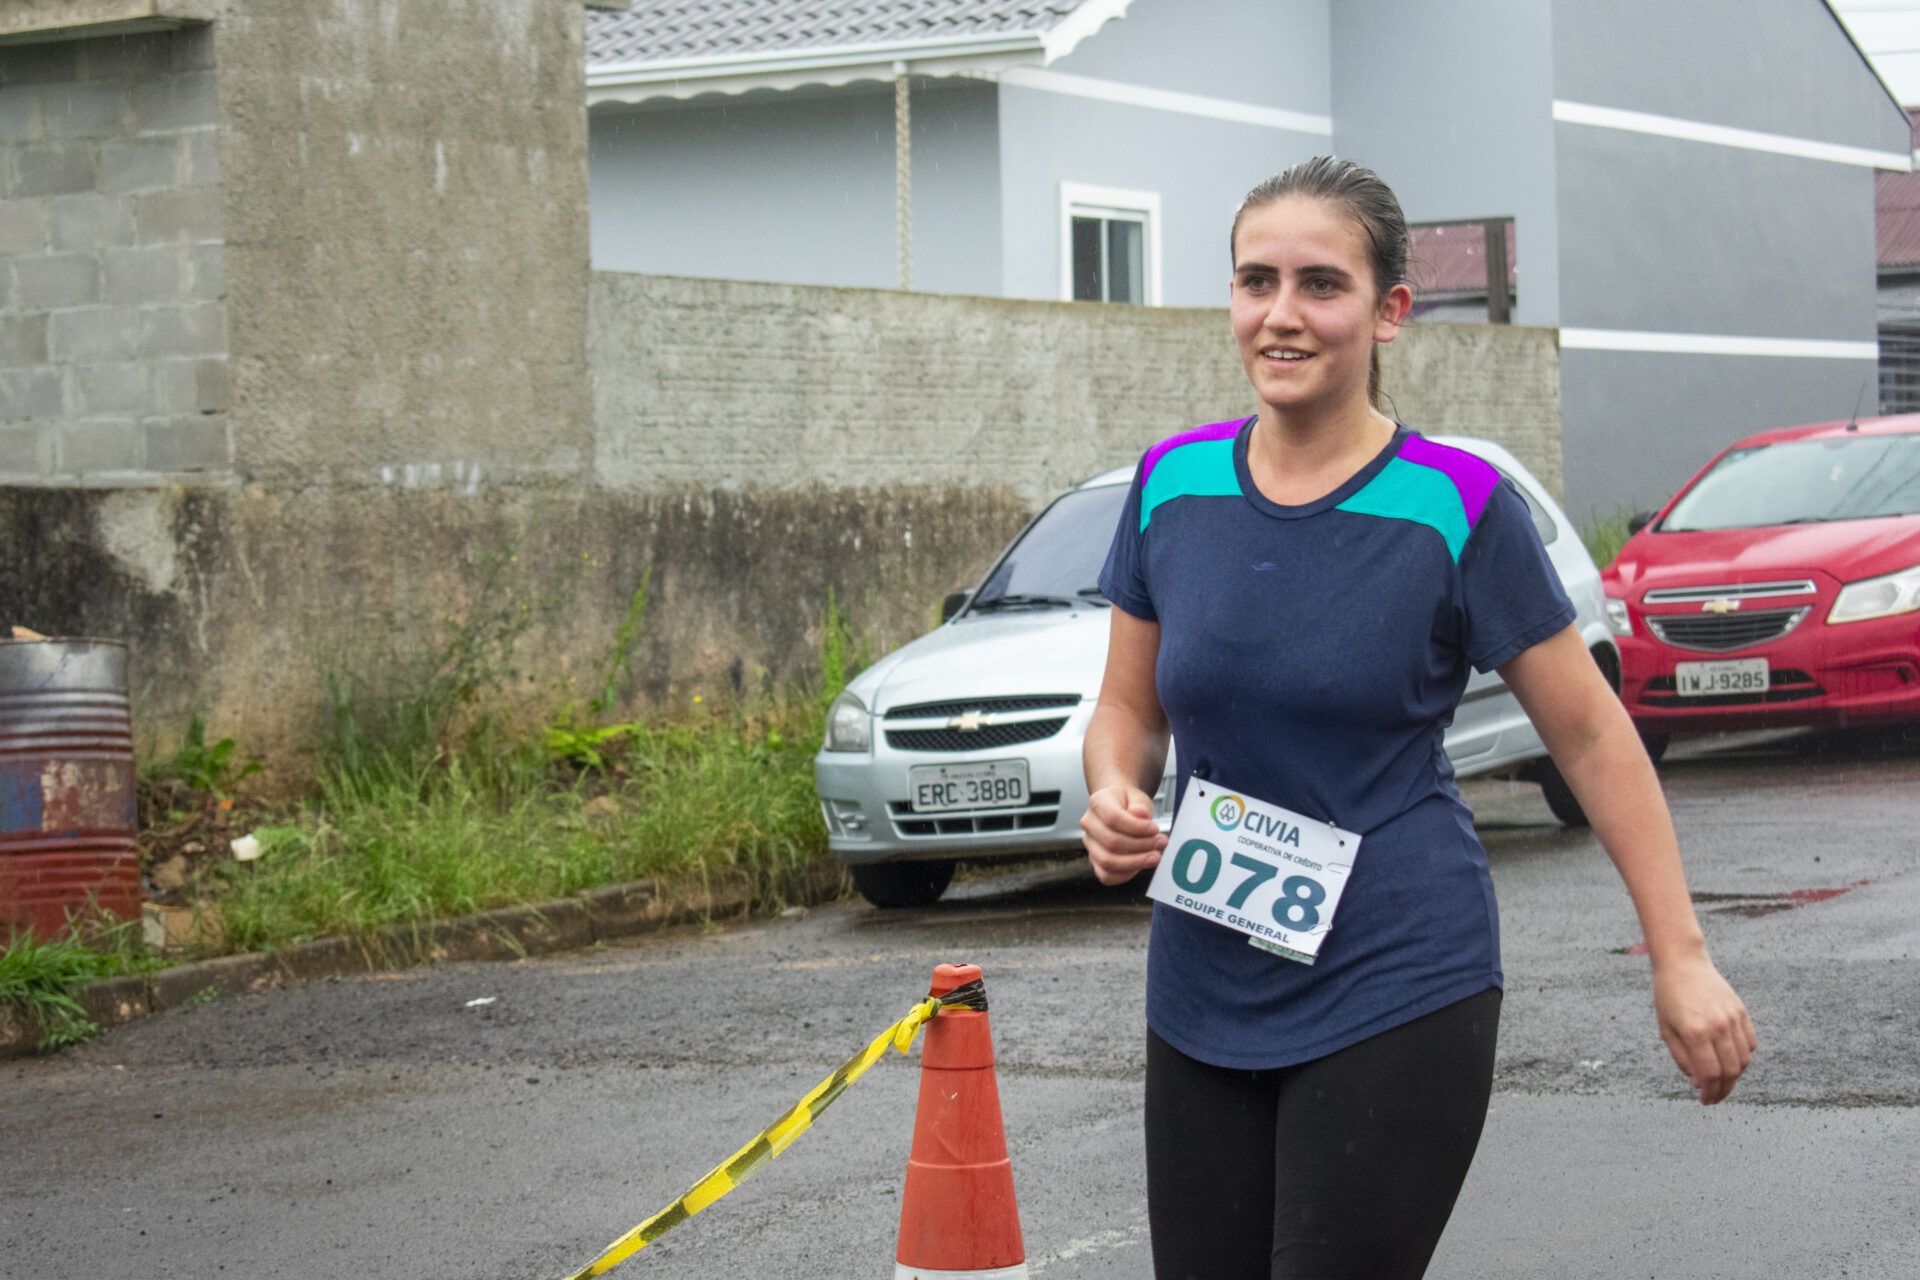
[(799, 187), (1670, 236), (113, 331), (1452, 104), (1200, 167)]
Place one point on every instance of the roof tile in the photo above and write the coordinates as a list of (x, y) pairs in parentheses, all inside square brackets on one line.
[(663, 30), (1896, 211)]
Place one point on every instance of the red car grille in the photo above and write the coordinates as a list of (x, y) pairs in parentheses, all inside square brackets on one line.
[(1724, 632)]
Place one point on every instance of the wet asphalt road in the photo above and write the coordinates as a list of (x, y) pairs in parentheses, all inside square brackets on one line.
[(378, 1127)]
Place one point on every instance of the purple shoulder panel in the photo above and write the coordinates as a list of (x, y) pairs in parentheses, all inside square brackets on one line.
[(1474, 477), (1212, 431)]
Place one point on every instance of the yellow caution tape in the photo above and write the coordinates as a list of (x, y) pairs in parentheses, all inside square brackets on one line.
[(780, 1135)]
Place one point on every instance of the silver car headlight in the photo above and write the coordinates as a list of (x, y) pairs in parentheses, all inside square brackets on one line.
[(1617, 620), (1880, 597), (849, 727)]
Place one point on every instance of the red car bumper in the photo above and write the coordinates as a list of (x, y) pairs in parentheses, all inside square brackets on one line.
[(1820, 676)]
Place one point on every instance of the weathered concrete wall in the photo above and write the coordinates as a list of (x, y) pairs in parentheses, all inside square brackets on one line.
[(29, 20), (240, 602), (384, 203), (734, 385), (1499, 382), (406, 214), (113, 333)]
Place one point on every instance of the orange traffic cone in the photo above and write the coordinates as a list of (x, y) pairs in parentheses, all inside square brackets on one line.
[(958, 1219)]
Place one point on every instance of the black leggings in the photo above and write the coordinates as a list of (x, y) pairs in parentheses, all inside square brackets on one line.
[(1374, 1142)]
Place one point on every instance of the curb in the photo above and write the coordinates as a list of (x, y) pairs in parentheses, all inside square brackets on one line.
[(506, 933)]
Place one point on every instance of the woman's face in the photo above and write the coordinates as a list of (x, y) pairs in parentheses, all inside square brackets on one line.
[(1306, 311)]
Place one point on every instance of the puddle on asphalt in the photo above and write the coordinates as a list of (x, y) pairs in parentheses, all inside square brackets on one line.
[(1765, 904), (1752, 905)]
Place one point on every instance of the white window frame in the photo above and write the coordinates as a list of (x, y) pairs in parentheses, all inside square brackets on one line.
[(1078, 198)]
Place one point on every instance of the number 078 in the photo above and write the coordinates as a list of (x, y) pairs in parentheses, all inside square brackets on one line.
[(1295, 909)]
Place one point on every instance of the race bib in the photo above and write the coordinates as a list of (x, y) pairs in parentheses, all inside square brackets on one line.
[(1270, 873)]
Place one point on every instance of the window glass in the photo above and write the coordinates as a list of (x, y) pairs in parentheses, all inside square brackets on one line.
[(1087, 283), (1125, 255), (1804, 482), (1542, 522), (1061, 553), (1109, 257)]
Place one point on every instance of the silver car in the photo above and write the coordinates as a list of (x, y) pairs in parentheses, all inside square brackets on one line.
[(965, 743)]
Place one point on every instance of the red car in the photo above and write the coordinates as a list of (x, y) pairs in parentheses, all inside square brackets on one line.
[(1781, 586)]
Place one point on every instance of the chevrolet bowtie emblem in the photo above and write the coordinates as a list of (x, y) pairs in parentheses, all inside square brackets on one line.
[(1722, 605), (968, 723)]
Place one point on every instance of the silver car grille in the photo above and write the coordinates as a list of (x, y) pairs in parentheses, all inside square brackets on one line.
[(960, 706), (1724, 632), (977, 724), (1040, 815), (987, 737)]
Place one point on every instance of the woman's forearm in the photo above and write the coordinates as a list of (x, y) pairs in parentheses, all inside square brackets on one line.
[(1597, 751), (1620, 794), (1122, 750)]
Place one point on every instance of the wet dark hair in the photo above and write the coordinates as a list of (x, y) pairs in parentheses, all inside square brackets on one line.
[(1358, 192)]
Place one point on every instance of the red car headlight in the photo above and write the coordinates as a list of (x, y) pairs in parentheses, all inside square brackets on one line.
[(1880, 597)]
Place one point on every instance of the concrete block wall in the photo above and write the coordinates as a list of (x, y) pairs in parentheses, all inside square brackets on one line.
[(113, 323), (406, 257), (734, 385)]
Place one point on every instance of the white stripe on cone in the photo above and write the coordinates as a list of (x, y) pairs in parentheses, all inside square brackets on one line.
[(1018, 1271)]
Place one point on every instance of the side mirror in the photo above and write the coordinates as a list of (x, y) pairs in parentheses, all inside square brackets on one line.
[(1638, 521), (954, 604)]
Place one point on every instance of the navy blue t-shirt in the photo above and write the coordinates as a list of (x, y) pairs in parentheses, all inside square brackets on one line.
[(1312, 657)]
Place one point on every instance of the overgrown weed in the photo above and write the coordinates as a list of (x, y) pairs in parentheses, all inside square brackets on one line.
[(730, 795), (42, 978), (206, 768), (1606, 534), (429, 804), (420, 822)]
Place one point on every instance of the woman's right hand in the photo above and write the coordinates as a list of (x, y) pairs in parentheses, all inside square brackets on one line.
[(1121, 836)]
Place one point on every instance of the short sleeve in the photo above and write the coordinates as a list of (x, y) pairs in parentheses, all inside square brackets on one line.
[(1512, 595), (1124, 578)]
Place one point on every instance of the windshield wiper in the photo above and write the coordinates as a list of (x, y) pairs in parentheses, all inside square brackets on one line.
[(1093, 595), (1021, 600)]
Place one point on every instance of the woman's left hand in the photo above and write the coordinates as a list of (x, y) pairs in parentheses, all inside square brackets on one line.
[(1705, 1025)]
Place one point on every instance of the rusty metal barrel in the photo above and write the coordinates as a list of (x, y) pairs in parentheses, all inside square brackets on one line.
[(67, 816)]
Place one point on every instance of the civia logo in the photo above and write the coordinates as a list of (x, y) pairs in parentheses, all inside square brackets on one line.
[(1227, 811)]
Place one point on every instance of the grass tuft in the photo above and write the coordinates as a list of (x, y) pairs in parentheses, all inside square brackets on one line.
[(42, 978), (1605, 535), (495, 826)]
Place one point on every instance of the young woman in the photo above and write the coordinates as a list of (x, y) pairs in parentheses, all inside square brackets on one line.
[(1298, 597)]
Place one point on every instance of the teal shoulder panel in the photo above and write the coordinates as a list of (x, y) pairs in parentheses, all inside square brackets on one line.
[(1407, 491), (1203, 469)]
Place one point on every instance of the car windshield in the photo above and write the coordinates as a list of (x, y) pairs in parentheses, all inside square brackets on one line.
[(1057, 562), (1804, 482)]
